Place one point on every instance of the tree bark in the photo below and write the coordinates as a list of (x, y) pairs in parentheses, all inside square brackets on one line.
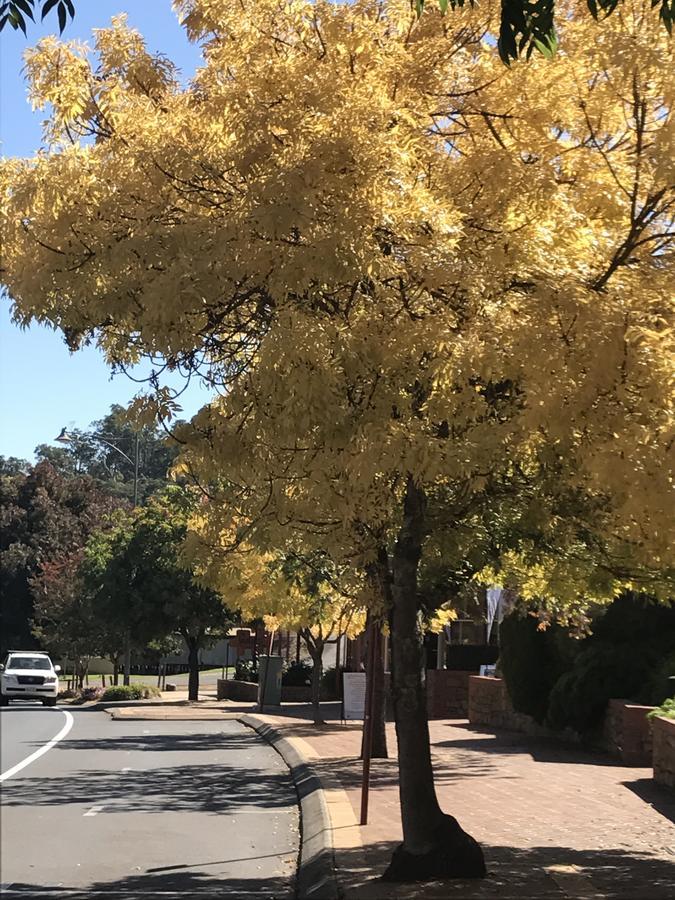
[(317, 673), (378, 724), (434, 845), (193, 665)]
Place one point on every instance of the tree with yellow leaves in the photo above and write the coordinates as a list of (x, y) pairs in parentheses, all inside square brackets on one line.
[(420, 279), (305, 593)]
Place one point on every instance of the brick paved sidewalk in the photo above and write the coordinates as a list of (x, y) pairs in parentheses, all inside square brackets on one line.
[(553, 821)]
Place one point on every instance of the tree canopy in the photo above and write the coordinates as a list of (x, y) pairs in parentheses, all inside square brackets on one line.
[(404, 341), (525, 24)]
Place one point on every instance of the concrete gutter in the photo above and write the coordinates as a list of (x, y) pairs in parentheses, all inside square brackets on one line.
[(316, 878)]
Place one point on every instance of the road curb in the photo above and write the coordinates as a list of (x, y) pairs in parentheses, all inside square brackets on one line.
[(317, 878), (103, 705)]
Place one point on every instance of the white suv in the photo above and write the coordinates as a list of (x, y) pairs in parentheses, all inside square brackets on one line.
[(29, 675)]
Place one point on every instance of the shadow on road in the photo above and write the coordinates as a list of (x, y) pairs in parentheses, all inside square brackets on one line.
[(214, 788), (535, 873), (151, 885), (171, 743)]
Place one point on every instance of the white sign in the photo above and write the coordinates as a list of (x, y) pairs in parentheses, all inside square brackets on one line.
[(354, 693)]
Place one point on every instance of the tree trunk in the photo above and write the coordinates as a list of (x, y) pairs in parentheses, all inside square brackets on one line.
[(115, 660), (434, 845), (193, 667), (378, 723), (315, 649), (127, 658)]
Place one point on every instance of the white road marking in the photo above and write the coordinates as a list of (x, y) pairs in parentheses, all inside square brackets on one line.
[(94, 810), (38, 753)]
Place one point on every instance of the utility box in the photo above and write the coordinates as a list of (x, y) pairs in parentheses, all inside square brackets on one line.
[(269, 681)]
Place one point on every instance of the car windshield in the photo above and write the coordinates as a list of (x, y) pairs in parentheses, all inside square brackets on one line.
[(29, 662)]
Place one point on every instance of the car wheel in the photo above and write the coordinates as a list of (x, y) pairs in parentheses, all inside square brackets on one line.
[(49, 701), (4, 700)]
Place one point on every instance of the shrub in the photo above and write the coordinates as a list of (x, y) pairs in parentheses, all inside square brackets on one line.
[(244, 670), (86, 694), (298, 674), (629, 655), (130, 692), (91, 693), (68, 694), (602, 671), (328, 686), (659, 686), (531, 661), (666, 710)]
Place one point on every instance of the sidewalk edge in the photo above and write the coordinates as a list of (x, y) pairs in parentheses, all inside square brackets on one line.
[(316, 878)]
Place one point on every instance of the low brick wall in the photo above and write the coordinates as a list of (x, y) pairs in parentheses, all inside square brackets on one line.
[(490, 704), (447, 694), (241, 691), (628, 732), (247, 692), (664, 750)]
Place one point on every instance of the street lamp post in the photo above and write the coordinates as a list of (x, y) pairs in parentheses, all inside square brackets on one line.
[(65, 437)]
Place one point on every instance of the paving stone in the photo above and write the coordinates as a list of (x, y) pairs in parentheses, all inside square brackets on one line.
[(554, 821)]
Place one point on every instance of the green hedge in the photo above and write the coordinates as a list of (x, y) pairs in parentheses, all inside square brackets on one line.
[(130, 692), (532, 660), (567, 683)]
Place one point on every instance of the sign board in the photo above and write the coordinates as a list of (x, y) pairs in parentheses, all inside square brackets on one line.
[(354, 693), (489, 671)]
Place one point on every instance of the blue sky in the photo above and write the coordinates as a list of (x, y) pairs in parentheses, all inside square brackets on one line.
[(42, 385)]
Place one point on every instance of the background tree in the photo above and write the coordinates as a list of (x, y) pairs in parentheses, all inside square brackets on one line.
[(45, 518), (65, 621), (91, 452), (139, 582), (305, 593)]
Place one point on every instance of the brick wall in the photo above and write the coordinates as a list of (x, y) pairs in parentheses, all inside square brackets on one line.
[(664, 751), (490, 704), (447, 694), (247, 692), (627, 732)]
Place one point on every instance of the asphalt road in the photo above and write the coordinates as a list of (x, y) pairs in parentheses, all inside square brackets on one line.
[(132, 809)]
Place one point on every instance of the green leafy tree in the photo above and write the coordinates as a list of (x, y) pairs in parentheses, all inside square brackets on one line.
[(106, 451), (66, 620), (140, 584), (44, 517)]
